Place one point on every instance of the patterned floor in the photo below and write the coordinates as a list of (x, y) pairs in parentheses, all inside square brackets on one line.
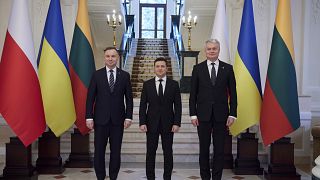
[(138, 173)]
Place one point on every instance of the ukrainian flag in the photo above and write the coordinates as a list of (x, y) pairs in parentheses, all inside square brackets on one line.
[(54, 73), (246, 69)]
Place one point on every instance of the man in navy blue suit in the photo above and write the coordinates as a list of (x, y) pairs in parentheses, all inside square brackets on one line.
[(107, 113)]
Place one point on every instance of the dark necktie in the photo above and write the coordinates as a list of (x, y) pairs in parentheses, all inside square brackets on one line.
[(213, 75), (111, 80), (160, 92)]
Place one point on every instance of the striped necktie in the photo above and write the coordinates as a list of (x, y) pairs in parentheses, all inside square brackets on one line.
[(111, 80)]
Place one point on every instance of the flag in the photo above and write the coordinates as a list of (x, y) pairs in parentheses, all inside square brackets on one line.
[(20, 96), (54, 73), (81, 64), (246, 69), (280, 108), (220, 31)]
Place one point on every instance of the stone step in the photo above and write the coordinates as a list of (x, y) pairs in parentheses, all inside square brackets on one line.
[(162, 52), (185, 125), (131, 134), (153, 57), (147, 70), (152, 54), (152, 48), (137, 68)]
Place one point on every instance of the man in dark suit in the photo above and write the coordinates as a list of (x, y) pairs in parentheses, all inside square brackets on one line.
[(107, 113), (213, 107), (160, 113)]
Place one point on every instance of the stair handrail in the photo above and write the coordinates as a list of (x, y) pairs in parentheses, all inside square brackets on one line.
[(176, 36), (127, 37)]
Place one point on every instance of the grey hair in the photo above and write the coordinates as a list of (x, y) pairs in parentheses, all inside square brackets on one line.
[(214, 41)]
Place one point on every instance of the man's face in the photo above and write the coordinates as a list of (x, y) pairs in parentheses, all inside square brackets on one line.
[(212, 51), (160, 69), (111, 58)]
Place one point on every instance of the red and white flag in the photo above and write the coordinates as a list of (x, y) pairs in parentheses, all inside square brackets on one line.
[(20, 96)]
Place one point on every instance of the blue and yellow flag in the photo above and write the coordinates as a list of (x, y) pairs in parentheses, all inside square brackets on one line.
[(246, 69), (54, 73)]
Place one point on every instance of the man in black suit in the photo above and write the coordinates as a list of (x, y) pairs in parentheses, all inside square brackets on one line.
[(160, 113), (213, 107), (107, 114)]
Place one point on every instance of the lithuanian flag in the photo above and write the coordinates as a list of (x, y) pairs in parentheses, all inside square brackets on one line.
[(81, 64), (280, 107)]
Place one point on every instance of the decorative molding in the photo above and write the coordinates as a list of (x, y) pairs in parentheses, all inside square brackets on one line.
[(316, 11)]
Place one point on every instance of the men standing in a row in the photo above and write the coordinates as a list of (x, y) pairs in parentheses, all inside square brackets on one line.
[(211, 110), (107, 114), (160, 114)]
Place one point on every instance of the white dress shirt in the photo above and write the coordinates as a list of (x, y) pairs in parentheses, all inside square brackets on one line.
[(164, 80)]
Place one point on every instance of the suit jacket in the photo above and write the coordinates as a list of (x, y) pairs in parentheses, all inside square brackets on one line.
[(102, 105), (152, 111), (206, 99)]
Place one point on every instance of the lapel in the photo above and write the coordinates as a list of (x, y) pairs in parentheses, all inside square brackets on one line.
[(166, 87), (205, 70), (118, 78), (154, 87), (106, 80), (220, 71)]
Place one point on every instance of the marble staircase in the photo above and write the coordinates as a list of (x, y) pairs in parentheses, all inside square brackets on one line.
[(147, 50)]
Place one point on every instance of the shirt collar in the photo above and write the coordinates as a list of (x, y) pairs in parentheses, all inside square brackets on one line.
[(164, 78), (114, 69), (215, 62)]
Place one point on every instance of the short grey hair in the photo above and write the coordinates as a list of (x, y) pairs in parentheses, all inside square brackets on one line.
[(214, 41)]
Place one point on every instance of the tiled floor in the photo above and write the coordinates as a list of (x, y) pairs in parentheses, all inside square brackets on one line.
[(137, 174), (132, 172)]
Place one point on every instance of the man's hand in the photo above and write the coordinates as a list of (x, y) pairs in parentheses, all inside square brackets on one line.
[(175, 128), (195, 122), (127, 124), (143, 128), (89, 124), (230, 121)]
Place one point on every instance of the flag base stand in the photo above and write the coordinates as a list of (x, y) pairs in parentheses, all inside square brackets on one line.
[(281, 165), (80, 156), (247, 162), (49, 160), (228, 157), (18, 161)]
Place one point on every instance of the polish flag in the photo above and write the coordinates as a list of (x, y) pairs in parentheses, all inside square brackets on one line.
[(20, 96)]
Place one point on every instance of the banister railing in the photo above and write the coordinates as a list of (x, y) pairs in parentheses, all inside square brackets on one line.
[(177, 38), (127, 37)]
